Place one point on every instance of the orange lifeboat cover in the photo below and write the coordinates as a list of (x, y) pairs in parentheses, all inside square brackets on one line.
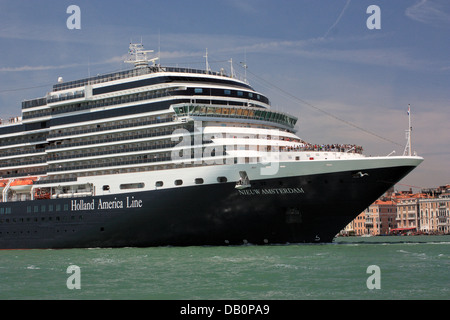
[(22, 182)]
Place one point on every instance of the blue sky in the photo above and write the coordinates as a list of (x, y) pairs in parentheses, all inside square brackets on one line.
[(341, 76)]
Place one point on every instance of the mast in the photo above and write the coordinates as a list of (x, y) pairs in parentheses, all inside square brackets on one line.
[(245, 66), (408, 151), (138, 56), (232, 70), (207, 64)]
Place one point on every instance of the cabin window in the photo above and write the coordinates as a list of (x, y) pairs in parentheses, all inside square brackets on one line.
[(126, 186), (178, 182), (159, 184), (198, 90), (199, 181)]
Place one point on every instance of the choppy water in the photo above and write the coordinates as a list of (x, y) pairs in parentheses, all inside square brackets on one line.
[(409, 268)]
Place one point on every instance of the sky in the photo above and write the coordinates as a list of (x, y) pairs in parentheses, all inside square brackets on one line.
[(320, 60)]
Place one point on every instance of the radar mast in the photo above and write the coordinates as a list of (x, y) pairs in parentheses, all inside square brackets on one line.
[(138, 56)]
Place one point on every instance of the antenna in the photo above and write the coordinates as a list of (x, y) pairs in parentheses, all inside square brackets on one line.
[(245, 66), (408, 151), (207, 64), (232, 70), (159, 45)]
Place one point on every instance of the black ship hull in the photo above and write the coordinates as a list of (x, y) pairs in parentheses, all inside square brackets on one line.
[(303, 209)]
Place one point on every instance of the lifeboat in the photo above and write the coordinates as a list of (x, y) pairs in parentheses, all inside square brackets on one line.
[(22, 185), (41, 194), (3, 184)]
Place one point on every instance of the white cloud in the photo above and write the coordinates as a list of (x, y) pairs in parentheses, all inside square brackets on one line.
[(338, 19), (429, 12), (27, 68), (243, 6), (37, 68)]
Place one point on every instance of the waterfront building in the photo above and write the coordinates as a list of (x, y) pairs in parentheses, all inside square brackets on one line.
[(381, 217), (357, 227), (444, 212), (428, 215), (427, 212), (407, 212), (434, 214)]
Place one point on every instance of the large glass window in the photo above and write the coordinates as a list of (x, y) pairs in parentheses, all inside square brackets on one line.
[(132, 185)]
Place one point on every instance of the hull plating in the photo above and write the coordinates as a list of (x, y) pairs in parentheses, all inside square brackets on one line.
[(312, 208)]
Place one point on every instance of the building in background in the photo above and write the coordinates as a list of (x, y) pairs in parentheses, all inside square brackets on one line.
[(405, 212)]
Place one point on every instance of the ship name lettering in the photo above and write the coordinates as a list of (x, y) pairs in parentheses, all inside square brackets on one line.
[(105, 205), (133, 203), (81, 205), (129, 203), (250, 192), (282, 191)]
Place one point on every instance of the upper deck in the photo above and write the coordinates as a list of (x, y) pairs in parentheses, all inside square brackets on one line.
[(140, 72)]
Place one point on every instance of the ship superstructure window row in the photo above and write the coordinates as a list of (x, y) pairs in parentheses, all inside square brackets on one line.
[(148, 95), (113, 125), (112, 162), (114, 137), (22, 162), (114, 150), (165, 79), (31, 171), (185, 110), (24, 151), (16, 141), (216, 92), (135, 73), (81, 106)]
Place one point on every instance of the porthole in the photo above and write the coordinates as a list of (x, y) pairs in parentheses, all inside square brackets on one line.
[(222, 179)]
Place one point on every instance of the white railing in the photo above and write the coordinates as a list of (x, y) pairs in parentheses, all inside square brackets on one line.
[(10, 121)]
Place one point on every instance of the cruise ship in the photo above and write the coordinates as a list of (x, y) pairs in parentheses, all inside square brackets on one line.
[(169, 156)]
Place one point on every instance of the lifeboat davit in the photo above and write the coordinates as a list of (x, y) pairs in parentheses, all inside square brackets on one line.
[(22, 185)]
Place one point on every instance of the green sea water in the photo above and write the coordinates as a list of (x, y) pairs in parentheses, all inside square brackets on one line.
[(409, 268)]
